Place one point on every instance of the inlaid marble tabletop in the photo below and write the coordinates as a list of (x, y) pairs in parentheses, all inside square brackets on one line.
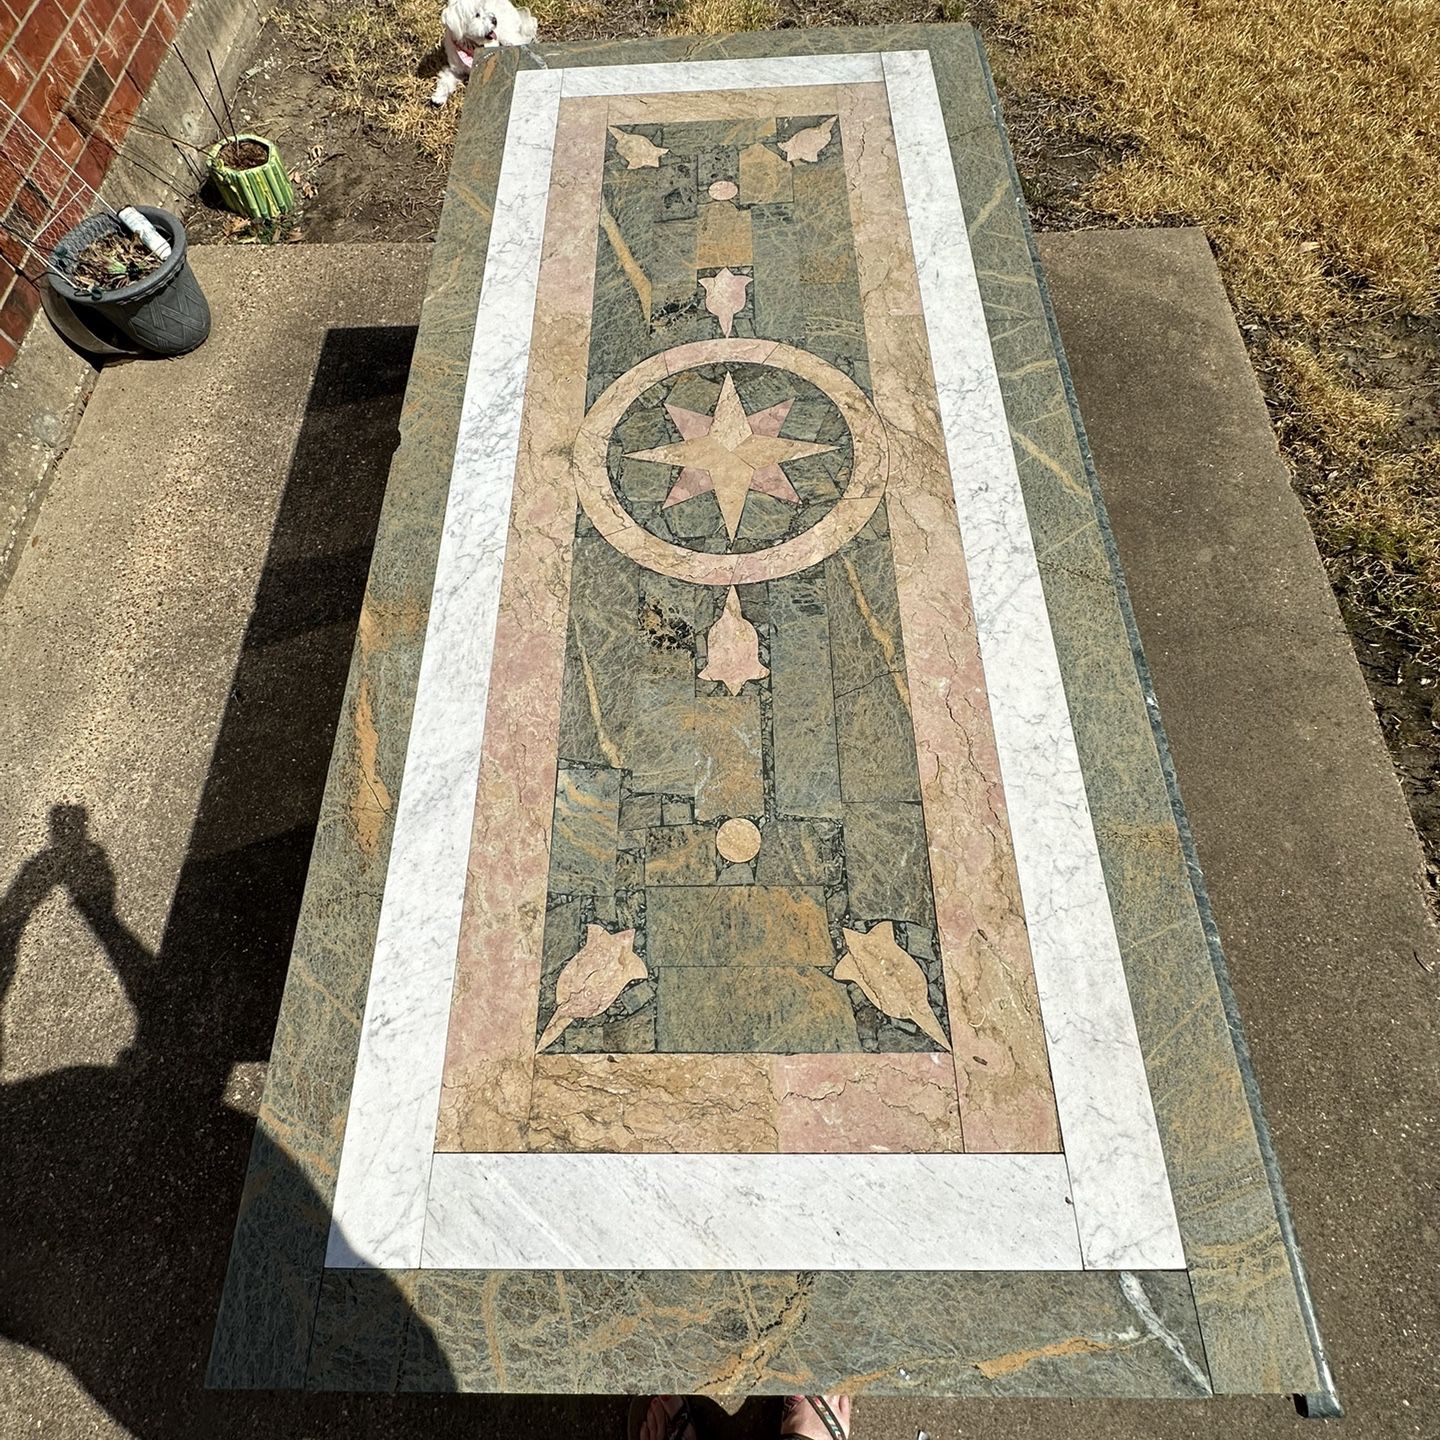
[(752, 942)]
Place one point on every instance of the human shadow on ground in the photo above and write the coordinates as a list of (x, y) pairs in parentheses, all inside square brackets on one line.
[(119, 1184)]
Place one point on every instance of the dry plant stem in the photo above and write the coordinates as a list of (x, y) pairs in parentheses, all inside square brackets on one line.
[(199, 89), (224, 98), (113, 262)]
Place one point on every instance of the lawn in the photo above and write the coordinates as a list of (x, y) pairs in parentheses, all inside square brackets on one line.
[(1306, 140)]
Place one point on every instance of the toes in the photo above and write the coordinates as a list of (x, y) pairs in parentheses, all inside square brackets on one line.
[(654, 1426), (658, 1418), (802, 1421)]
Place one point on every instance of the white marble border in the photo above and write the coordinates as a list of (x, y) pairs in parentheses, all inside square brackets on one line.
[(658, 1212), (750, 1212), (695, 75), (1117, 1170), (378, 1217)]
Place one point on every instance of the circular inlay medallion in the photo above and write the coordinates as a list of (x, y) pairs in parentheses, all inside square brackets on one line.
[(730, 457), (724, 190), (726, 462), (738, 840)]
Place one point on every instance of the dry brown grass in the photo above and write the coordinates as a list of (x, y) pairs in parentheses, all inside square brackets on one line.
[(717, 17), (382, 56), (1305, 138)]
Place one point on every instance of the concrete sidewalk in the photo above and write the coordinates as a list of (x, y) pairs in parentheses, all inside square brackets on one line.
[(175, 638)]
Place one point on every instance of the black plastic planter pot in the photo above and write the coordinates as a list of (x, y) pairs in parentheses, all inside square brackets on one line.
[(165, 313)]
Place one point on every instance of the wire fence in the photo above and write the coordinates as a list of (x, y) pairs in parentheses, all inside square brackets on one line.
[(52, 195)]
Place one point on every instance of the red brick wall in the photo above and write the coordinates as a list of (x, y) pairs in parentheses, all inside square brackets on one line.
[(72, 75)]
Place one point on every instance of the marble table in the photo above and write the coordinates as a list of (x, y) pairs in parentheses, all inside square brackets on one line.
[(752, 941)]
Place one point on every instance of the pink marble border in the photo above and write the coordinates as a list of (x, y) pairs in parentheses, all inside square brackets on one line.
[(490, 1049), (746, 1104), (838, 1103), (1001, 1062)]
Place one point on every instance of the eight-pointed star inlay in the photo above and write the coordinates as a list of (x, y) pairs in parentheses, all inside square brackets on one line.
[(731, 453)]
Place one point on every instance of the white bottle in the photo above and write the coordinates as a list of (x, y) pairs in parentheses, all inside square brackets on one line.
[(144, 231)]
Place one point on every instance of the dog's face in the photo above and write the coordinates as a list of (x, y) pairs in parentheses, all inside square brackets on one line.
[(488, 22)]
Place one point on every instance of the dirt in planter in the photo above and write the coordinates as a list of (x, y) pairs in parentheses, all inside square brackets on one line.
[(243, 155), (112, 262)]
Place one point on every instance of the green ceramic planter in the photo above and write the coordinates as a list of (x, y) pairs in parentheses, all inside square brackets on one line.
[(261, 193)]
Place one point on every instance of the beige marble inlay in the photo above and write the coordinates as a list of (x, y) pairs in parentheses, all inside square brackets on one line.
[(654, 1103), (890, 977), (592, 979), (725, 296), (745, 1104), (733, 649), (738, 840), (805, 147), (757, 106), (731, 453), (637, 151)]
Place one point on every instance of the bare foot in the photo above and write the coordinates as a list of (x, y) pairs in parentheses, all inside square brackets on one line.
[(661, 1418), (803, 1419)]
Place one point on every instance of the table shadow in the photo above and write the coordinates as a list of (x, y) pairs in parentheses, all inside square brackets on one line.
[(119, 1184)]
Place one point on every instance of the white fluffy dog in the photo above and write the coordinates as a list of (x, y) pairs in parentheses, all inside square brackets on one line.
[(471, 25)]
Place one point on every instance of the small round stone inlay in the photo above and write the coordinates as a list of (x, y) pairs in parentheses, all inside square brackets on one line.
[(724, 190), (738, 840)]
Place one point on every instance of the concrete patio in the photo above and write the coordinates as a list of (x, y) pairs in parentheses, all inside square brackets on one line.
[(177, 633)]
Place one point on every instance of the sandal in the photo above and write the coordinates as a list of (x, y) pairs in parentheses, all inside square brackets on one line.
[(820, 1404), (675, 1425)]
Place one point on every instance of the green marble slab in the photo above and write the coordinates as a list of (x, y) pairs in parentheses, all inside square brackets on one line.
[(1234, 1322)]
